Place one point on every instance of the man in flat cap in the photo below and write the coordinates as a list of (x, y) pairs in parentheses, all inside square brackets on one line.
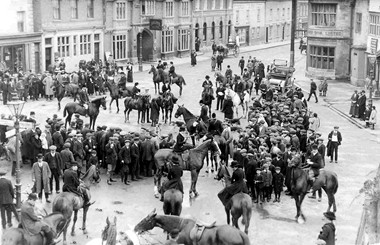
[(41, 175), (6, 200), (78, 152), (54, 161), (335, 139), (67, 156), (327, 234)]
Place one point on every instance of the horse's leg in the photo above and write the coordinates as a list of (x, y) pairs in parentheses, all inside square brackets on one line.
[(117, 104), (138, 116), (163, 114), (180, 90), (302, 196), (84, 220), (228, 215), (129, 111), (166, 115), (195, 183), (111, 102), (170, 118), (331, 201), (74, 221), (296, 199), (125, 115)]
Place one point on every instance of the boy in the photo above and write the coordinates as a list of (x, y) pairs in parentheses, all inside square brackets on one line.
[(259, 184), (278, 181), (92, 160), (267, 182)]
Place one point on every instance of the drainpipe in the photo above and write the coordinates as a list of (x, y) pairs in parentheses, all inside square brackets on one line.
[(352, 6)]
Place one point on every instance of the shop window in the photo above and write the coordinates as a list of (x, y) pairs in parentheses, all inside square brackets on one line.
[(167, 41), (148, 7), (63, 46), (85, 44), (120, 10), (358, 24), (169, 9), (322, 57), (323, 14), (21, 21), (183, 39), (74, 9), (119, 46), (90, 8), (57, 9)]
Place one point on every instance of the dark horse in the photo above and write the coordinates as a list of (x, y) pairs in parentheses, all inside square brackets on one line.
[(173, 202), (240, 204), (156, 78), (179, 81), (194, 162), (326, 180), (114, 93), (189, 120), (167, 102), (140, 103), (188, 235), (17, 236), (93, 110), (208, 97), (61, 89)]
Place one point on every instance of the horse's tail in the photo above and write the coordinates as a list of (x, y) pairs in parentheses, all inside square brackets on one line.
[(245, 238), (244, 207), (183, 80), (64, 111)]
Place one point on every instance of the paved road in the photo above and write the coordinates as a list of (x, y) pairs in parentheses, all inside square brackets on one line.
[(271, 223)]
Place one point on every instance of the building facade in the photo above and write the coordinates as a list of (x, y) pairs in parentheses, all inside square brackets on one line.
[(329, 38), (19, 43), (302, 17), (373, 39), (277, 20), (71, 30), (249, 21)]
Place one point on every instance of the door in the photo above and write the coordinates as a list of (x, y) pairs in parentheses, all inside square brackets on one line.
[(48, 60), (96, 52), (266, 35), (145, 45), (283, 32)]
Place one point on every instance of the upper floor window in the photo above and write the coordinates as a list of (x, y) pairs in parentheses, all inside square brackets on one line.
[(168, 9), (90, 8), (258, 15), (323, 14), (270, 14), (63, 45), (358, 27), (374, 24), (237, 17), (120, 11), (57, 9), (185, 8), (21, 21), (278, 14), (85, 44), (74, 9), (288, 13), (148, 7)]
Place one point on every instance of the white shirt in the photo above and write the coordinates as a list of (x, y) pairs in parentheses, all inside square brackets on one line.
[(334, 136)]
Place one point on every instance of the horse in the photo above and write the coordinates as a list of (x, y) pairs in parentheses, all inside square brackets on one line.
[(327, 180), (179, 81), (208, 97), (99, 85), (16, 236), (189, 119), (194, 162), (167, 104), (72, 89), (114, 93), (235, 99), (156, 78), (247, 84), (139, 103), (220, 78), (109, 234), (188, 230), (173, 199), (93, 110), (240, 203)]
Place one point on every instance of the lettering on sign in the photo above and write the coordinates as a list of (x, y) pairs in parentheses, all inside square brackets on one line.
[(373, 45), (325, 33), (155, 24)]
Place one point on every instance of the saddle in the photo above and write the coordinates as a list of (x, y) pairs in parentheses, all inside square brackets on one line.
[(198, 229), (184, 155)]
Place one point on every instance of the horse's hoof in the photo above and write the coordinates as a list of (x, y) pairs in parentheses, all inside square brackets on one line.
[(85, 231), (300, 220), (72, 233), (196, 194)]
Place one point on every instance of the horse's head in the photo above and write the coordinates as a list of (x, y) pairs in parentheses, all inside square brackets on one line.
[(152, 69), (109, 232), (148, 223), (179, 111), (103, 103)]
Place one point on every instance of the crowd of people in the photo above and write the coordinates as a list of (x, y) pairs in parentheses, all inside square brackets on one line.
[(362, 109)]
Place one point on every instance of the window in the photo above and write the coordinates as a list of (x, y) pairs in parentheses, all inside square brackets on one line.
[(85, 44), (148, 7), (323, 14), (167, 41), (258, 15), (278, 14), (270, 14), (229, 28), (270, 32), (21, 21), (119, 46), (221, 29), (185, 8), (258, 32), (74, 9), (120, 11), (90, 8), (196, 30), (288, 13), (75, 45), (358, 27), (213, 30), (63, 44), (283, 13), (169, 9), (322, 57), (183, 39), (247, 17), (374, 24), (57, 9), (204, 31), (237, 17)]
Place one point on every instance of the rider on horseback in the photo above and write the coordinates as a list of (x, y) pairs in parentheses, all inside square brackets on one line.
[(71, 183), (33, 223), (135, 90), (175, 173), (315, 163), (84, 100), (181, 144), (237, 184)]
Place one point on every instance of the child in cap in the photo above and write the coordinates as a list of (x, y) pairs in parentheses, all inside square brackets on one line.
[(278, 181), (267, 179), (259, 184), (92, 160)]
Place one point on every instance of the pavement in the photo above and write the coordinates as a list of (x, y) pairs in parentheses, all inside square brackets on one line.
[(271, 223)]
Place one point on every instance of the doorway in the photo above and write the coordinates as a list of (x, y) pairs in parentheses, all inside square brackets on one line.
[(96, 52), (283, 32), (147, 45), (266, 34), (48, 60)]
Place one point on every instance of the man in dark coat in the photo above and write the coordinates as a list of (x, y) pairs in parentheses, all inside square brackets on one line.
[(54, 161), (313, 89), (135, 90), (241, 65), (67, 156), (172, 70), (6, 200), (204, 111), (215, 126), (111, 158), (361, 105), (125, 159), (354, 109), (239, 87), (315, 163), (135, 158), (237, 184), (122, 82), (71, 183), (57, 138), (228, 108), (174, 177), (148, 150), (335, 139), (5, 87), (327, 234), (31, 223), (219, 61)]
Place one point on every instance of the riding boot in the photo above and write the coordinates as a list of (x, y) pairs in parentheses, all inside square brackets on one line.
[(49, 237)]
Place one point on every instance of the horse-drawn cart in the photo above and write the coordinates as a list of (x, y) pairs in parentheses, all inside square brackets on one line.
[(231, 48), (280, 71)]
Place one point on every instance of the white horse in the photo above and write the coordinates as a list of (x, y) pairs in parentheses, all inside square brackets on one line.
[(237, 101)]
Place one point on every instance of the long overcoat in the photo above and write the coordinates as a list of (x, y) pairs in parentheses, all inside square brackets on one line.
[(41, 177), (48, 83)]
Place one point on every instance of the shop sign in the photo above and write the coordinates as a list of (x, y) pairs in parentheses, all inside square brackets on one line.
[(155, 24), (374, 45), (325, 33)]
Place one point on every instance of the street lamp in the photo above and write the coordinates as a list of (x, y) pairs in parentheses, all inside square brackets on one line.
[(16, 107), (372, 61)]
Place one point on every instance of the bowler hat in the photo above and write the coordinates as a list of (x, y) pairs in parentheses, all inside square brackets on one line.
[(235, 164), (52, 147), (39, 156), (32, 196), (74, 163), (175, 160), (329, 215), (3, 172), (277, 168)]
